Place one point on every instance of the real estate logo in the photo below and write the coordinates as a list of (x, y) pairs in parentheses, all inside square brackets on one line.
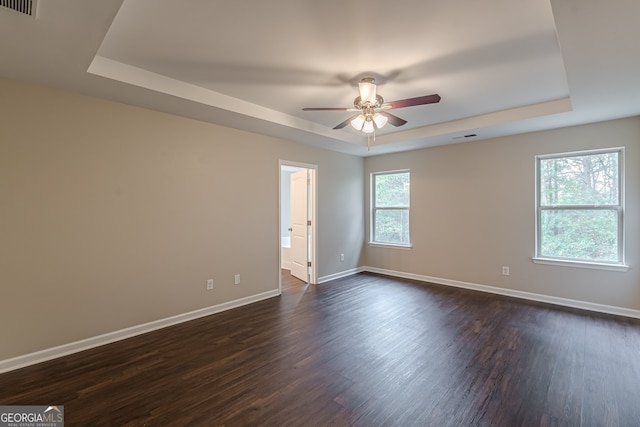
[(32, 416)]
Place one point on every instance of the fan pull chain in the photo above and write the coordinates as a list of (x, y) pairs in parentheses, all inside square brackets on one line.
[(369, 139)]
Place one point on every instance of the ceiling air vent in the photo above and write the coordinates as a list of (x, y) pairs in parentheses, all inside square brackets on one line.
[(25, 7), (471, 135)]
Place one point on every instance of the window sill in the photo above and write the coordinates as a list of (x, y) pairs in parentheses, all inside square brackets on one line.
[(581, 264), (389, 245)]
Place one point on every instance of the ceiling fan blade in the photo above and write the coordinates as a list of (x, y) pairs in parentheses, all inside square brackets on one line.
[(326, 109), (393, 120), (346, 122), (410, 102)]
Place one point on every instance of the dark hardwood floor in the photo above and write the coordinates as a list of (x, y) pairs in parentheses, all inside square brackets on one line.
[(366, 350)]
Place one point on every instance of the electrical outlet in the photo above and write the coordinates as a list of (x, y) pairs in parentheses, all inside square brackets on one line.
[(341, 257), (505, 271), (209, 284), (236, 279)]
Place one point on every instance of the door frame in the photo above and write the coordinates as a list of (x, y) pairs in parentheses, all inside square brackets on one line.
[(313, 212)]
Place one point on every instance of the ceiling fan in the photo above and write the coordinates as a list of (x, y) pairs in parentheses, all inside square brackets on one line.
[(371, 108)]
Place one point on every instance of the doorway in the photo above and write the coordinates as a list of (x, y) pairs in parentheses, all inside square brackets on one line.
[(297, 220)]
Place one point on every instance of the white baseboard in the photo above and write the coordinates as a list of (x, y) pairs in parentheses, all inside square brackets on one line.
[(584, 305), (86, 344), (341, 274)]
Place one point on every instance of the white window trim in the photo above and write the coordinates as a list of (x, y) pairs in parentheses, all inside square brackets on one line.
[(390, 245), (610, 266), (372, 215), (581, 264)]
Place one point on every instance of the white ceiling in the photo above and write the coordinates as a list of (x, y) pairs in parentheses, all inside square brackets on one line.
[(501, 66)]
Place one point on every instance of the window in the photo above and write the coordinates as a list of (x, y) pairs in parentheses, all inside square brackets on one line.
[(580, 207), (390, 208)]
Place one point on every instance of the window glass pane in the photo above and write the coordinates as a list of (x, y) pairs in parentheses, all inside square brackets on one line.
[(582, 234), (391, 226), (392, 189), (579, 180)]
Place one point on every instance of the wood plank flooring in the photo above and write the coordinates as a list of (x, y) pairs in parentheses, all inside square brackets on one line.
[(366, 350)]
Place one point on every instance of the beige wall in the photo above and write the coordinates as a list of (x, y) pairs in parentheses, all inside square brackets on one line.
[(472, 212), (113, 216)]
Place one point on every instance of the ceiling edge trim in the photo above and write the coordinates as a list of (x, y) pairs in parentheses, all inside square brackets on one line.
[(562, 105), (140, 77)]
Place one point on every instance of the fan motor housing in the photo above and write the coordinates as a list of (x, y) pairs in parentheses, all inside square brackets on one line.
[(357, 103)]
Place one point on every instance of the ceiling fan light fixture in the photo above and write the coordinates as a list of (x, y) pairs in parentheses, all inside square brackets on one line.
[(358, 122), (380, 120), (368, 126), (368, 118)]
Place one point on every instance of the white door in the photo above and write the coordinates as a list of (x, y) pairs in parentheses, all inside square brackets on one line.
[(299, 226)]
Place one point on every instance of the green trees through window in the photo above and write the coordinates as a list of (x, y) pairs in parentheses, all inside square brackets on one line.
[(580, 206), (390, 207)]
